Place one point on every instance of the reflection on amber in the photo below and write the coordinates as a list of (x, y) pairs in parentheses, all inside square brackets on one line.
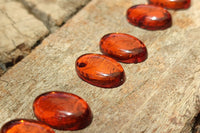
[(63, 111), (25, 126), (100, 70), (123, 47), (21, 121), (149, 17)]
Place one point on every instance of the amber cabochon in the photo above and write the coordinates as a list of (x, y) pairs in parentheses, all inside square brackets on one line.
[(123, 47), (100, 70), (62, 110), (25, 126), (172, 4), (149, 17)]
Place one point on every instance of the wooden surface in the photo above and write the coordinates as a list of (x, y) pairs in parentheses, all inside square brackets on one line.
[(24, 23), (161, 94), (54, 12), (19, 31)]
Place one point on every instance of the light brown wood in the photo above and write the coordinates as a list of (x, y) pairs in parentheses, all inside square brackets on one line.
[(160, 95), (19, 31), (54, 12)]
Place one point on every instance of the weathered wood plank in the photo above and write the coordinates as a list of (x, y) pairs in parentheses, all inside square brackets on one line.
[(160, 95), (19, 31), (54, 12)]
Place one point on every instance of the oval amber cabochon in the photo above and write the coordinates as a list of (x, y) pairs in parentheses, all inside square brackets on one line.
[(62, 110), (123, 47), (172, 4), (100, 70), (149, 17), (25, 126)]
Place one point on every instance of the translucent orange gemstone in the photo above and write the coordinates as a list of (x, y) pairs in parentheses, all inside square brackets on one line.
[(63, 111), (25, 126), (123, 47), (149, 17), (100, 70), (172, 4)]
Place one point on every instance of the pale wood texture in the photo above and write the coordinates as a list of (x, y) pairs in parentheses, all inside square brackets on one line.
[(19, 31), (54, 12), (160, 95)]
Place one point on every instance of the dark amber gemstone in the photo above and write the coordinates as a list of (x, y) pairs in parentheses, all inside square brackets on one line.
[(149, 17), (63, 111), (172, 4), (100, 70), (25, 126), (123, 47)]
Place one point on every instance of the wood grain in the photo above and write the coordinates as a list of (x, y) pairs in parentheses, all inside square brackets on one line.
[(54, 12), (160, 95), (19, 31)]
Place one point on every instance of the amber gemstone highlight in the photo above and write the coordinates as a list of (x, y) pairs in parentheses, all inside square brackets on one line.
[(63, 111), (149, 17), (172, 4), (25, 126), (123, 47), (100, 70)]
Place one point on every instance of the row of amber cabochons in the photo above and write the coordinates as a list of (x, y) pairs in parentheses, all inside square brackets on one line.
[(103, 71), (66, 111), (59, 110)]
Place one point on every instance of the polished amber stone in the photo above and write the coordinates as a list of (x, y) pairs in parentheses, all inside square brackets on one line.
[(172, 4), (25, 126), (63, 111), (123, 47), (149, 17), (100, 70)]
